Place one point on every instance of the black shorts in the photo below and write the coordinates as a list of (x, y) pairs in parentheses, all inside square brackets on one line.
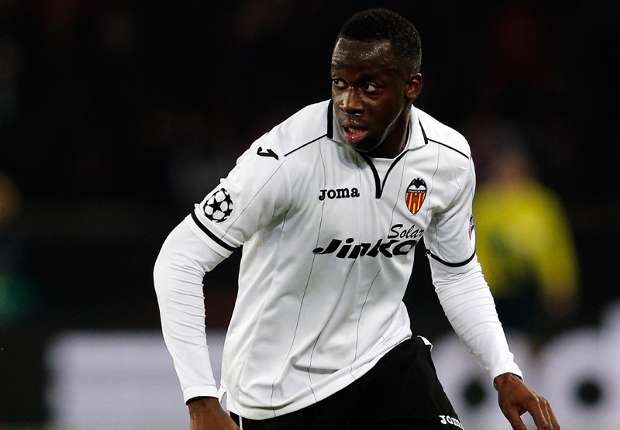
[(400, 392)]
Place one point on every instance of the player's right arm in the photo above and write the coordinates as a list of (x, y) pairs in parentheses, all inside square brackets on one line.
[(256, 194), (182, 262)]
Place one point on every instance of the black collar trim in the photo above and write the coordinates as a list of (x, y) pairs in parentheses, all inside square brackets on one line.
[(330, 120), (380, 185)]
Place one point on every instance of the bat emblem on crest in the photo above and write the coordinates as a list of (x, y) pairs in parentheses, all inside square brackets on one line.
[(414, 197)]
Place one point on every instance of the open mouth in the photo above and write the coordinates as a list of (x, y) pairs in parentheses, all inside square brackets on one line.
[(354, 134)]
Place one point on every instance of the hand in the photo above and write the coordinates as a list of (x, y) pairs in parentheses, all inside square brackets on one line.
[(206, 413), (515, 398)]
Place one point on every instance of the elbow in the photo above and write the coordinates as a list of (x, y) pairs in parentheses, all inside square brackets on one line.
[(158, 271), (161, 269)]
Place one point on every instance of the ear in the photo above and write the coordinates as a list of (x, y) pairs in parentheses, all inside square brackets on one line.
[(413, 87)]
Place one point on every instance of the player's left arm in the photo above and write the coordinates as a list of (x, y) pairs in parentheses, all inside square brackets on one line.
[(470, 308)]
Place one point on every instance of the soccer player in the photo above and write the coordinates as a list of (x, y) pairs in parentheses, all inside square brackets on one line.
[(328, 207)]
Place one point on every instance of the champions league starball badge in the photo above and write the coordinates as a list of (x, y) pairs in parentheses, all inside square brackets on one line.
[(414, 197), (219, 206)]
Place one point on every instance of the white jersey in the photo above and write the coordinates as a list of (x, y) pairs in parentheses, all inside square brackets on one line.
[(328, 238)]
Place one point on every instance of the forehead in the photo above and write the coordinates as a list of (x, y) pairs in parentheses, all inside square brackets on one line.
[(364, 54)]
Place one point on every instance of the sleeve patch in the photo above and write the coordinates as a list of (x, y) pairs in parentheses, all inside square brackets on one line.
[(219, 206), (471, 227)]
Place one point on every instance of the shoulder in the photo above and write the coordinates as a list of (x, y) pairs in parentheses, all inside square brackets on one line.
[(286, 151), (304, 127), (448, 139), (453, 154)]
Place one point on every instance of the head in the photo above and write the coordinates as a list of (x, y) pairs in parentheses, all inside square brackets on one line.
[(375, 74)]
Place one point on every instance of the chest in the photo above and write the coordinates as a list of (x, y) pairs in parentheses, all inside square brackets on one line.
[(366, 207)]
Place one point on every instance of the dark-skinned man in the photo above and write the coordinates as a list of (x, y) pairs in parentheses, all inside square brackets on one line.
[(329, 206)]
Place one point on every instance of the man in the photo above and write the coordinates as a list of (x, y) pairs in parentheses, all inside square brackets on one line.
[(328, 207)]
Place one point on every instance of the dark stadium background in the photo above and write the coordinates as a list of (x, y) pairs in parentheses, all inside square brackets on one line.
[(116, 116)]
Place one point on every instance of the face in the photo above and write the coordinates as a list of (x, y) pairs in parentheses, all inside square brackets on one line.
[(371, 94)]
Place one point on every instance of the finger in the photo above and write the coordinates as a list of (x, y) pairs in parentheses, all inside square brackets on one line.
[(537, 413), (514, 419), (547, 416), (552, 419), (544, 405)]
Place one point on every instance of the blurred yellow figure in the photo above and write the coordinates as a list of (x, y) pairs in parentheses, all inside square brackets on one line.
[(525, 246)]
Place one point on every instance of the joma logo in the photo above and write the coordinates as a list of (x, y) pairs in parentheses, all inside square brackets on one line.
[(447, 419), (339, 193)]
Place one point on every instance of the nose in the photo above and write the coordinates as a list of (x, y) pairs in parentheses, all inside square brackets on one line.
[(350, 102)]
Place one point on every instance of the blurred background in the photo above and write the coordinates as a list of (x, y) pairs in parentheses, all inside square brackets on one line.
[(116, 116)]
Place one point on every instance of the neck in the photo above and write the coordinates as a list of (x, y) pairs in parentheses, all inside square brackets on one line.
[(396, 138)]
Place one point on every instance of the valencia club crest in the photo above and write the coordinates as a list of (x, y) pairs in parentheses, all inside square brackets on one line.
[(414, 197)]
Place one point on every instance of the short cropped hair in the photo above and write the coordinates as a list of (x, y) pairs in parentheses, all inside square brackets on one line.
[(382, 24)]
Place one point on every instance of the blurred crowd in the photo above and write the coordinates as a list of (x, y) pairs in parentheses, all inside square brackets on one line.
[(116, 116)]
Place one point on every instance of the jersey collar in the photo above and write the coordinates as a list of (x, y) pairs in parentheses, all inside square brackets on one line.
[(416, 138)]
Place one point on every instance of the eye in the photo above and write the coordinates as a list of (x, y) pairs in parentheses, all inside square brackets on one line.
[(338, 83), (370, 87)]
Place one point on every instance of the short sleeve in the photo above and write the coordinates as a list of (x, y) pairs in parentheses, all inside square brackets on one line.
[(253, 196), (450, 239)]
